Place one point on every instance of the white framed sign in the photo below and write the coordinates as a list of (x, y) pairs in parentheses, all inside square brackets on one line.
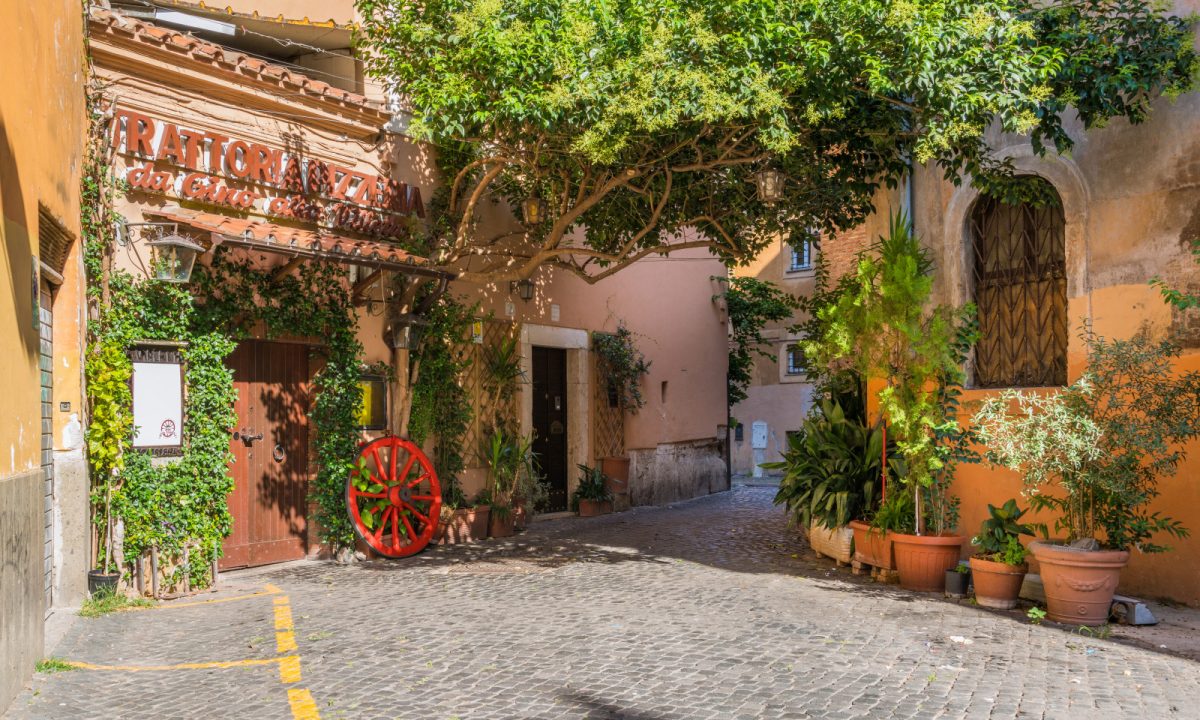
[(158, 400)]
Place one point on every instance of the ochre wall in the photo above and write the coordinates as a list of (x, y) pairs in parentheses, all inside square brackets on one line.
[(41, 143)]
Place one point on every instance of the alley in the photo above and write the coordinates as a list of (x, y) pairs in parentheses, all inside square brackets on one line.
[(706, 609)]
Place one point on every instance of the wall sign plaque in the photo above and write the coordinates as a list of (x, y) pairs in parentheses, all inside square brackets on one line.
[(157, 400)]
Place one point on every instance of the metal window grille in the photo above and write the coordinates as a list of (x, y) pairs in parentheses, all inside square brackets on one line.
[(795, 360), (1020, 281), (801, 256)]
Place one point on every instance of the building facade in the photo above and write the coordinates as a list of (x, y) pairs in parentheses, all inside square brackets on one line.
[(43, 483)]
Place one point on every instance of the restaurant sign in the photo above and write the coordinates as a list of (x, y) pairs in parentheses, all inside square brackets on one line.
[(208, 167)]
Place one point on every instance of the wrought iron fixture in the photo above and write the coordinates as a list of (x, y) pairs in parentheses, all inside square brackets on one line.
[(533, 210), (172, 256), (770, 185), (523, 289)]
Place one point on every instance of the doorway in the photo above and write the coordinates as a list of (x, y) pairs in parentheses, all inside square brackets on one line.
[(550, 422), (270, 448)]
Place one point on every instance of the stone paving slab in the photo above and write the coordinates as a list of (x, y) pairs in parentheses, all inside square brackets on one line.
[(706, 609)]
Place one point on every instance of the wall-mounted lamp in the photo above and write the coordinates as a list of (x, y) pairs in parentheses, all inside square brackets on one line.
[(172, 256), (770, 185), (523, 289), (406, 332), (533, 210)]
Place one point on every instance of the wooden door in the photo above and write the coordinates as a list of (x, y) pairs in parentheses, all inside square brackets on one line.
[(270, 449), (550, 422)]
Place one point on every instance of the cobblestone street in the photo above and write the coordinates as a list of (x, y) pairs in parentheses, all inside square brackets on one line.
[(707, 609)]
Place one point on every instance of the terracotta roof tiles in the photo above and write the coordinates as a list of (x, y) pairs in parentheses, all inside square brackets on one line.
[(210, 54)]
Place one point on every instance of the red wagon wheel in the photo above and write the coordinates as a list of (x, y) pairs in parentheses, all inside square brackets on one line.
[(394, 497)]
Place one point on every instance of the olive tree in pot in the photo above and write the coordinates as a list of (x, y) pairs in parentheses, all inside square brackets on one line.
[(1093, 453), (509, 460), (999, 566), (886, 330)]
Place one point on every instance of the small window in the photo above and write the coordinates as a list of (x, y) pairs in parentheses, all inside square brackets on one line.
[(372, 414), (795, 360), (801, 256)]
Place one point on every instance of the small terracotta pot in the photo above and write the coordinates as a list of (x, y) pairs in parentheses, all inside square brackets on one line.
[(997, 585), (502, 524), (1079, 584), (592, 508), (872, 546), (922, 560)]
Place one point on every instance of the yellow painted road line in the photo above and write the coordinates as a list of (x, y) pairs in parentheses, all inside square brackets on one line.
[(285, 641), (214, 601), (289, 669), (303, 705), (283, 617), (184, 666)]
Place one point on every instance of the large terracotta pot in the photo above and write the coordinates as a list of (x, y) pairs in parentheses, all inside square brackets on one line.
[(592, 508), (1079, 583), (463, 525), (616, 474), (872, 546), (922, 560), (835, 543), (502, 524), (997, 585)]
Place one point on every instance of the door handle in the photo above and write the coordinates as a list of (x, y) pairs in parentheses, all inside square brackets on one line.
[(247, 436)]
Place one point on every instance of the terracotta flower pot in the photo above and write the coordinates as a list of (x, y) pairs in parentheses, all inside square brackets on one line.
[(872, 547), (592, 508), (502, 524), (997, 585), (1079, 583), (463, 525), (922, 560)]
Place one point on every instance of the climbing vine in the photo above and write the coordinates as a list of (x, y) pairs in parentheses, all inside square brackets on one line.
[(622, 365), (441, 406)]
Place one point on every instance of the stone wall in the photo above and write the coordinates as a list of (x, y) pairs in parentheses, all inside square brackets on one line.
[(676, 471), (21, 596)]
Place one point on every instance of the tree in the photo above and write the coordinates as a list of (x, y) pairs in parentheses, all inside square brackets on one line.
[(641, 124), (752, 304)]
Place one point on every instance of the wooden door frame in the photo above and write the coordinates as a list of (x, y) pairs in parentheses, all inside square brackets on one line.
[(578, 345)]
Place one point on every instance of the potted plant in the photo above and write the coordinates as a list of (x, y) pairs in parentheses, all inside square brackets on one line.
[(957, 581), (508, 458), (462, 520), (531, 493), (883, 328), (1100, 446), (106, 577), (831, 474), (591, 496), (999, 566)]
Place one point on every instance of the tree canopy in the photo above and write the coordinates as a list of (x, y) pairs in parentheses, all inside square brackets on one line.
[(642, 123)]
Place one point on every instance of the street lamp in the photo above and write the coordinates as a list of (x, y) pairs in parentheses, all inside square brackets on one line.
[(533, 209), (523, 289), (173, 257), (770, 185)]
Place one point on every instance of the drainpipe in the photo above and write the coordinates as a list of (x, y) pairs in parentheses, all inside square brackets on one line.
[(909, 195)]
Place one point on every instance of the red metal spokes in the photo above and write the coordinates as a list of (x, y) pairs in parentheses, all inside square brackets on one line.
[(394, 497)]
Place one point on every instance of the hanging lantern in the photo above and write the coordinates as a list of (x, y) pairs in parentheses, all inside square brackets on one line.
[(533, 209), (406, 332), (523, 289), (770, 185), (173, 257)]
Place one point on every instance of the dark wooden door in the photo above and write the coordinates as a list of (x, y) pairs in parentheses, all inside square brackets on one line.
[(550, 421), (270, 449)]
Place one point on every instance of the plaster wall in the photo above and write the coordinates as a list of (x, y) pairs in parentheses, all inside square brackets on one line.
[(41, 154)]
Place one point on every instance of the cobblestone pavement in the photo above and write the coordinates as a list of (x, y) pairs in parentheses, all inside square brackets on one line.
[(706, 609)]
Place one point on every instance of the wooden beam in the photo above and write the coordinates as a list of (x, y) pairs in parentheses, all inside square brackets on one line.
[(361, 285), (287, 269)]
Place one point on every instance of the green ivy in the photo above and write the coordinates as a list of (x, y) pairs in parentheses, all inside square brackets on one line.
[(441, 406), (622, 365), (752, 304)]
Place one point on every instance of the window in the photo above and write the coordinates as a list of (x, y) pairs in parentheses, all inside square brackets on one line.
[(1020, 288), (801, 256), (795, 360)]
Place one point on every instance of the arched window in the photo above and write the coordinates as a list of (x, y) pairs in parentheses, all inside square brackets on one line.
[(1019, 264)]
